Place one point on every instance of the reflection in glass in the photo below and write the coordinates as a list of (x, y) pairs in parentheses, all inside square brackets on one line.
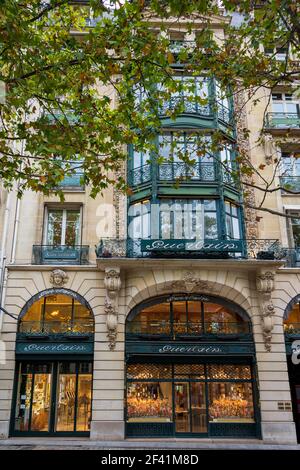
[(84, 401), (182, 407), (198, 407), (23, 402), (41, 402), (65, 408)]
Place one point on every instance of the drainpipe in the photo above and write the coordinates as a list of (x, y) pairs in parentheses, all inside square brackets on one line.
[(3, 269)]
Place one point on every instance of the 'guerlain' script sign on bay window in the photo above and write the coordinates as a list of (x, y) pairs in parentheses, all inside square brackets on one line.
[(192, 245)]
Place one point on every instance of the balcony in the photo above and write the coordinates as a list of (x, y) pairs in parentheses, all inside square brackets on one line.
[(186, 105), (183, 172), (60, 254), (282, 122), (186, 330), (264, 249), (292, 183), (79, 329)]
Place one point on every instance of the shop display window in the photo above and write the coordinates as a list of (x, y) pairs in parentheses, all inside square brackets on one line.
[(57, 313), (230, 402)]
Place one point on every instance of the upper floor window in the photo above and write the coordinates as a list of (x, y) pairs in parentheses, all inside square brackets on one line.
[(188, 219), (232, 221), (290, 164), (62, 226), (284, 103), (279, 53), (139, 214)]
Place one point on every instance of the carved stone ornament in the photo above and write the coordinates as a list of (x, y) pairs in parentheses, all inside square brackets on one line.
[(265, 286), (190, 283), (112, 283), (265, 282), (58, 278)]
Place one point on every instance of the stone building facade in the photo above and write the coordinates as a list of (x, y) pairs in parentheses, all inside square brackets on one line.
[(130, 341)]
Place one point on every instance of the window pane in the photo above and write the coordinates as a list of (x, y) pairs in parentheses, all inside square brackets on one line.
[(149, 402), (54, 228), (72, 228), (235, 228), (211, 228), (32, 318), (58, 312), (41, 400), (151, 320), (231, 402), (84, 402)]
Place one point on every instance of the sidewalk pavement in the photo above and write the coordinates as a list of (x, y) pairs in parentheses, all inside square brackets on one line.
[(46, 443)]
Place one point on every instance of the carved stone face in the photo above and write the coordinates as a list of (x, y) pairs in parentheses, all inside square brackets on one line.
[(58, 277)]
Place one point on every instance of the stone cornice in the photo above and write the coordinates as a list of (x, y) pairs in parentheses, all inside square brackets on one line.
[(128, 264)]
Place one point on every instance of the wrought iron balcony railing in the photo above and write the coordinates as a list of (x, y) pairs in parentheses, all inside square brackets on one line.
[(292, 183), (208, 172), (201, 249), (282, 121), (73, 329), (140, 175), (185, 104), (180, 170), (176, 330), (60, 254)]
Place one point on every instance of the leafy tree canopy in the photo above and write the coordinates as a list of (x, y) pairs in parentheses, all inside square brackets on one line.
[(70, 86)]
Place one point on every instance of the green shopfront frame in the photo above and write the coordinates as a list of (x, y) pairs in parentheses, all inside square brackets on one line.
[(199, 383)]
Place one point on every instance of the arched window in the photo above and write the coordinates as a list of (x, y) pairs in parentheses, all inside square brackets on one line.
[(187, 316), (57, 313)]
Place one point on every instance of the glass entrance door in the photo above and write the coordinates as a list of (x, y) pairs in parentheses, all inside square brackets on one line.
[(53, 397), (190, 408)]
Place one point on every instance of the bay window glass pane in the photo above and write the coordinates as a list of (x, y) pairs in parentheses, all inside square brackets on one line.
[(210, 205), (210, 222), (72, 236), (235, 228), (164, 149), (165, 221), (231, 402), (54, 228), (149, 402), (139, 226)]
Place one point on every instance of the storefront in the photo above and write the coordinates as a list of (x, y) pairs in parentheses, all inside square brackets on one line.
[(190, 369), (292, 338), (54, 366)]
